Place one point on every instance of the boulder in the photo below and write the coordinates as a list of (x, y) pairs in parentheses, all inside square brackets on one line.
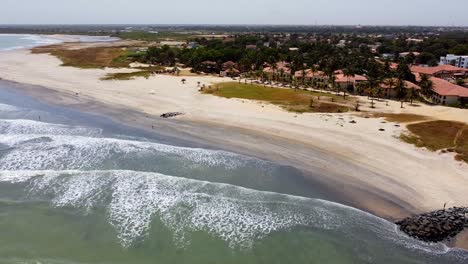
[(171, 114), (436, 226)]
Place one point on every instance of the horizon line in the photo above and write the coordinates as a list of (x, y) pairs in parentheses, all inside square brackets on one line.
[(234, 24)]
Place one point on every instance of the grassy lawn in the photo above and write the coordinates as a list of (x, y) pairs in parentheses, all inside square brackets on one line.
[(401, 118), (296, 101), (126, 75), (88, 58), (440, 135)]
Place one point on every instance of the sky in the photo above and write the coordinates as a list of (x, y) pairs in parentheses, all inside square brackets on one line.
[(278, 12)]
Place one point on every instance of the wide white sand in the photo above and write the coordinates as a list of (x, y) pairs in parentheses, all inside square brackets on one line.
[(421, 178)]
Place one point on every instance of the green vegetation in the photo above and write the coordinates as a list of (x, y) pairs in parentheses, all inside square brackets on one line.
[(440, 135), (430, 49), (401, 118), (152, 36), (296, 101), (126, 75), (99, 57)]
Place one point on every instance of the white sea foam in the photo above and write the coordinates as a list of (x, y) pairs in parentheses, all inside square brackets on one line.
[(234, 214), (24, 126), (60, 152), (21, 41), (41, 40), (9, 108)]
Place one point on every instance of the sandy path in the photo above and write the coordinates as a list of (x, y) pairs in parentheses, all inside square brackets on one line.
[(383, 163)]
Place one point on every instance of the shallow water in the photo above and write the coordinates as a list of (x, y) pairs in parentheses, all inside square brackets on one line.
[(22, 41), (75, 188)]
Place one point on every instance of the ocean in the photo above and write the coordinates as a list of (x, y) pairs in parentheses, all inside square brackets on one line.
[(21, 41), (80, 188)]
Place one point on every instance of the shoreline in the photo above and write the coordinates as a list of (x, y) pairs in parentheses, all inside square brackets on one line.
[(211, 136), (365, 168)]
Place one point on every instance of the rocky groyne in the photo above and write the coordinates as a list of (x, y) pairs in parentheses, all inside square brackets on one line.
[(437, 226)]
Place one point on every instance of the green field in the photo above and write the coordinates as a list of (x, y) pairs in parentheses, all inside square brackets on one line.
[(299, 101), (98, 57), (123, 76), (440, 135)]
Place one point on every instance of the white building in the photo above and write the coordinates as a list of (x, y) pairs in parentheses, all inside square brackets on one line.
[(451, 59)]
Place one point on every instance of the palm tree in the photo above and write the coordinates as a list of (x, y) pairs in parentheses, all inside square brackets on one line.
[(348, 72), (333, 81), (295, 85), (313, 70), (263, 77), (361, 87), (274, 67), (373, 86), (401, 90), (183, 81), (176, 71), (426, 86), (390, 83), (281, 75), (303, 75), (412, 94)]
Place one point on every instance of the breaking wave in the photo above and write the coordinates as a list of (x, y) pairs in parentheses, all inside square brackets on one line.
[(237, 215), (187, 189), (58, 152), (20, 127)]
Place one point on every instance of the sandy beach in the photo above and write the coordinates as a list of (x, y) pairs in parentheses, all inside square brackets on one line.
[(371, 169)]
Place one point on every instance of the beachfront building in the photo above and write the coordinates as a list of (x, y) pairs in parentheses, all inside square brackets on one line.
[(231, 72), (278, 71), (389, 87), (441, 71), (447, 93), (229, 69), (316, 78), (208, 67), (348, 82), (455, 60)]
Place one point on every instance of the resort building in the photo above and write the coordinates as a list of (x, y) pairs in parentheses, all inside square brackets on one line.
[(458, 61), (447, 93), (231, 72), (282, 67), (318, 78), (208, 67), (441, 71), (390, 88), (229, 69), (349, 83)]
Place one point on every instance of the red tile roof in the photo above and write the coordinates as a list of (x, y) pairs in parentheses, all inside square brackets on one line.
[(437, 69), (282, 65), (408, 85), (341, 78), (444, 88), (229, 64), (309, 73)]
